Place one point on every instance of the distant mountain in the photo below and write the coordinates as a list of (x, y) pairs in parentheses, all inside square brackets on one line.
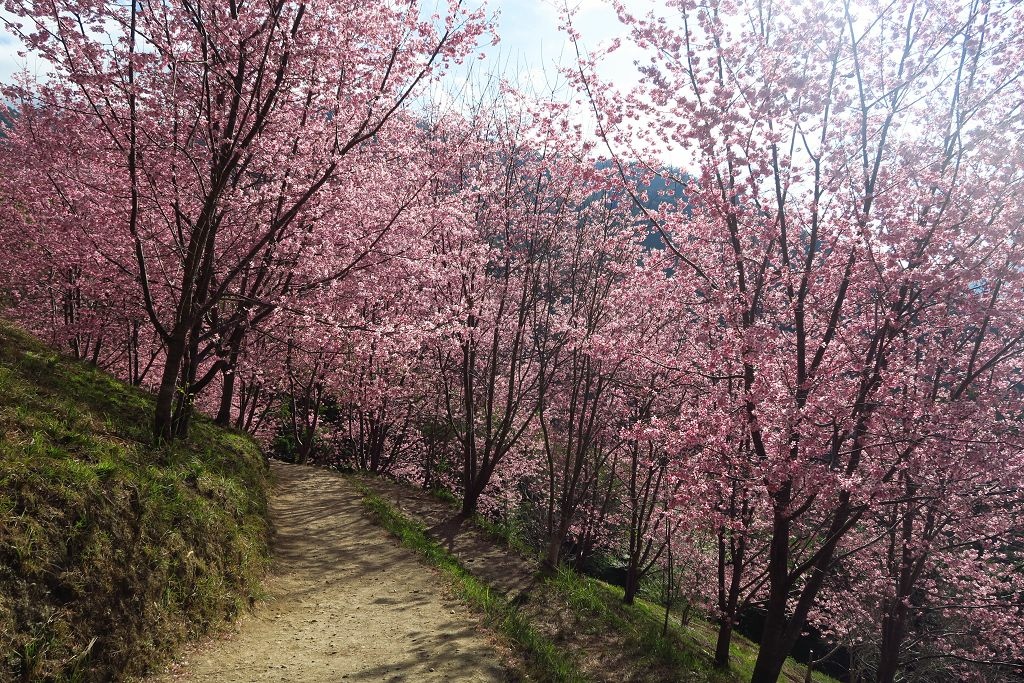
[(667, 186)]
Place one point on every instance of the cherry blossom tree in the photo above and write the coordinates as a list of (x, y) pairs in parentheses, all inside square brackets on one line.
[(851, 228), (220, 126), (934, 592), (587, 274), (61, 282), (791, 374), (487, 288)]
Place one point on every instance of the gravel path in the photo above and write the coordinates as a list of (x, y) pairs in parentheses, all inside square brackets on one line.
[(346, 604)]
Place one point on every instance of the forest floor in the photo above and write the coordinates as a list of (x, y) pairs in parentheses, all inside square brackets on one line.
[(345, 603)]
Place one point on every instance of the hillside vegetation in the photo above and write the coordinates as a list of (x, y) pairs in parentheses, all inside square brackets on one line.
[(568, 627), (111, 551)]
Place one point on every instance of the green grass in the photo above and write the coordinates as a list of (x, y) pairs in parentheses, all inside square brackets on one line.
[(113, 552), (507, 534), (594, 600), (684, 653), (545, 660), (444, 495), (684, 649)]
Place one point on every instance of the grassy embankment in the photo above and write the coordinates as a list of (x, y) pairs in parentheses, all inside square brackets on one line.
[(113, 552), (682, 654)]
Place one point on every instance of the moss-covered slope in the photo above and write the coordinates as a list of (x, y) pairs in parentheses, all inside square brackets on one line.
[(112, 552)]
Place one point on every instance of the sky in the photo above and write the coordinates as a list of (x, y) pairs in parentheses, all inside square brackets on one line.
[(9, 60), (530, 36)]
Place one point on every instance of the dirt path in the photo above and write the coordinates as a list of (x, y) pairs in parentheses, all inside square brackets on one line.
[(346, 603)]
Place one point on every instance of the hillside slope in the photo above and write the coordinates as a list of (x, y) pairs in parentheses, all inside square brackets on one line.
[(111, 551), (602, 639)]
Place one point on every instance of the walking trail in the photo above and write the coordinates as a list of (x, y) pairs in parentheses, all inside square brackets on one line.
[(346, 603)]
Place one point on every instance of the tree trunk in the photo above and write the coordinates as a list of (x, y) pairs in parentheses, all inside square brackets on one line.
[(892, 639), (781, 630), (772, 652), (632, 582), (470, 499), (428, 461), (227, 396), (163, 423), (182, 419), (133, 353), (475, 485), (722, 645), (305, 448), (730, 606), (554, 551), (669, 588)]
